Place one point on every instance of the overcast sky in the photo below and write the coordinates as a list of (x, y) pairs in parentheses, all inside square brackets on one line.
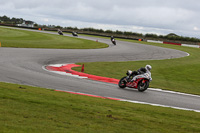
[(142, 16)]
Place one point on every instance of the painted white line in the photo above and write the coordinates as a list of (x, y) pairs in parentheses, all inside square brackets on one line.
[(56, 65), (173, 92), (59, 65), (131, 101), (62, 73), (81, 77), (160, 105)]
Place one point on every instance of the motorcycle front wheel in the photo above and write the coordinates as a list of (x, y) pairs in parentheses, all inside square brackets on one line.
[(143, 86), (122, 82)]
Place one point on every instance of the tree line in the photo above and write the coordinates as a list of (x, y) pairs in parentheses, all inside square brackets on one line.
[(7, 20), (125, 34)]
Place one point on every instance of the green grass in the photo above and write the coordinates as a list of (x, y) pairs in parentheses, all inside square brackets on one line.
[(180, 74), (28, 39), (32, 109)]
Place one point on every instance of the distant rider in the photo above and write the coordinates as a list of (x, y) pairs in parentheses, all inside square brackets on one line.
[(59, 32), (142, 70), (112, 38)]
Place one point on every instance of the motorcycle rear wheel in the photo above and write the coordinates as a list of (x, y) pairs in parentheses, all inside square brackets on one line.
[(143, 86), (114, 42), (122, 82)]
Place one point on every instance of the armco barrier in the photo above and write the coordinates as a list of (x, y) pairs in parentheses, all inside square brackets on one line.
[(154, 41), (186, 45), (172, 43)]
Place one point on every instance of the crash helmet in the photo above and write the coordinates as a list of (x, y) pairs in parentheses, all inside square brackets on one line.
[(148, 67)]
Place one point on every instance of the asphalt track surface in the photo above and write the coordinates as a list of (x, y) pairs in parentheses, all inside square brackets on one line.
[(26, 66)]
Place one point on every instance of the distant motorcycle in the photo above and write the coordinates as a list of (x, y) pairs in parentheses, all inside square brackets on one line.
[(140, 82), (74, 34), (113, 40), (60, 32)]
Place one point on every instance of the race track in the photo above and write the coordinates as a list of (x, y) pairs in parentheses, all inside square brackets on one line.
[(25, 66)]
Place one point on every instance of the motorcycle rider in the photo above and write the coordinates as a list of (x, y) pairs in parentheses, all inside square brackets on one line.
[(111, 38), (74, 33), (142, 70), (60, 32)]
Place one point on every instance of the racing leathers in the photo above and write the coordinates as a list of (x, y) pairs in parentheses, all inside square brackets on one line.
[(142, 70)]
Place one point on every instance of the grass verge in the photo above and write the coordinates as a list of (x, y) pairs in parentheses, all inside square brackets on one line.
[(32, 109), (28, 39)]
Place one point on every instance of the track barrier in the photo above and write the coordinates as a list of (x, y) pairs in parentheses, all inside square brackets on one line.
[(164, 42), (172, 43)]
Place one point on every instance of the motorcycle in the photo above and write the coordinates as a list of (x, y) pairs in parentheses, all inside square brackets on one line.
[(74, 34), (60, 33), (140, 82), (113, 41)]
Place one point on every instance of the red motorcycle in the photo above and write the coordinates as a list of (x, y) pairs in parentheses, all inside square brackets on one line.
[(140, 82)]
